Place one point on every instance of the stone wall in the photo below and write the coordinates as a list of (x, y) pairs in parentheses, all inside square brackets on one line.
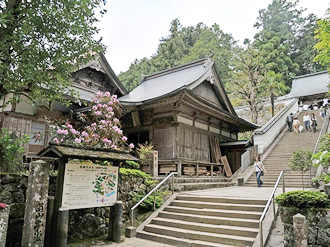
[(83, 223), (318, 225)]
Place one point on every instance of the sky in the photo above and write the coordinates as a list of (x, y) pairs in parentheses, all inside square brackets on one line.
[(131, 29)]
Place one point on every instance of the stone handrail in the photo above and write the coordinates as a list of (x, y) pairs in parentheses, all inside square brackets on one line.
[(247, 157), (264, 136)]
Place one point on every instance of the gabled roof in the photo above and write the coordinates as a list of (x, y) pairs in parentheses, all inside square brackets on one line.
[(309, 84), (174, 80), (101, 64)]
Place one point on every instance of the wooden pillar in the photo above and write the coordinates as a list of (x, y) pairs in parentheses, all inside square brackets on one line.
[(4, 216), (179, 168), (36, 205), (197, 168), (61, 218), (49, 221)]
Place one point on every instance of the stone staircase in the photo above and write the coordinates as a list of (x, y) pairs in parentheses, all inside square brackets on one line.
[(278, 158), (201, 183), (197, 221)]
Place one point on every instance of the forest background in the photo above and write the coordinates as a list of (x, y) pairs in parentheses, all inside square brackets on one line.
[(259, 70)]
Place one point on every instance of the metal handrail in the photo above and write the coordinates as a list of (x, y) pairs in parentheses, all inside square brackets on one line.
[(271, 198), (153, 191)]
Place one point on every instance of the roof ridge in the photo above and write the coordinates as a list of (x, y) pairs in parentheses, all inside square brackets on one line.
[(177, 68), (315, 73)]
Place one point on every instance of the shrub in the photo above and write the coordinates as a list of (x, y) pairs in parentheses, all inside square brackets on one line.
[(301, 161), (134, 173), (148, 204), (303, 199), (130, 164), (144, 151), (11, 150)]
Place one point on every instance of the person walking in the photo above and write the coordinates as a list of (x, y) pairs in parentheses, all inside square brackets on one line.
[(259, 169), (323, 113), (289, 121), (296, 125), (307, 122), (314, 123)]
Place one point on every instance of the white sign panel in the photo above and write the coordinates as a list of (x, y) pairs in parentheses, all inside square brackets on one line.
[(88, 185)]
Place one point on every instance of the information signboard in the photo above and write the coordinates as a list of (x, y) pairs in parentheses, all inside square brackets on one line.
[(89, 185)]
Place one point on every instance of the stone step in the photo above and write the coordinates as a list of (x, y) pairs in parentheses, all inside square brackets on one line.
[(221, 200), (287, 184), (210, 219), (225, 206), (177, 241), (203, 186), (203, 236), (200, 179), (221, 229), (215, 212)]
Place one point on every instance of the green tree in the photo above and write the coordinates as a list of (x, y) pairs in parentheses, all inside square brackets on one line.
[(183, 45), (301, 161), (247, 81), (41, 43), (323, 38), (278, 24)]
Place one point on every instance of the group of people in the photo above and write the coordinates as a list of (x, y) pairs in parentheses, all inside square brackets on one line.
[(310, 123)]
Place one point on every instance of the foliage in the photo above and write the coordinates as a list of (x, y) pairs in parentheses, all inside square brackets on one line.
[(301, 161), (323, 38), (303, 199), (130, 164), (246, 80), (148, 203), (41, 43), (11, 150), (98, 128), (183, 45), (134, 173), (323, 156), (325, 178), (144, 151)]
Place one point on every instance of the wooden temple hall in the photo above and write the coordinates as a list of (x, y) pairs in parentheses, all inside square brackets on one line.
[(185, 113)]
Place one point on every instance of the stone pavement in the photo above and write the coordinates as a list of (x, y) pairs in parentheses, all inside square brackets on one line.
[(243, 192)]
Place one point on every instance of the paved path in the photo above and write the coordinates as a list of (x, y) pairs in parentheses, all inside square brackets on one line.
[(243, 192)]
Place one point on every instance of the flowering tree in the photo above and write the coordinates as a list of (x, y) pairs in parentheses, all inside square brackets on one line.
[(99, 128)]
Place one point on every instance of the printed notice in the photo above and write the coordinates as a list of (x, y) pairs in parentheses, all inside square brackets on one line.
[(88, 185)]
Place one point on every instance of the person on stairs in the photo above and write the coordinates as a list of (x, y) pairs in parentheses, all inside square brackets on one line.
[(314, 123), (307, 121), (296, 125), (289, 121), (259, 169)]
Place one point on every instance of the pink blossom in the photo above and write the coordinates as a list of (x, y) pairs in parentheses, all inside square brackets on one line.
[(2, 205), (64, 132), (115, 127), (95, 136), (110, 103), (107, 116), (107, 94), (99, 94), (69, 125), (62, 140), (112, 113), (93, 124), (124, 138), (120, 132), (116, 101), (98, 113), (56, 140), (105, 106), (95, 100), (77, 140), (74, 132), (84, 134), (131, 145), (106, 140), (113, 146), (116, 120), (103, 121), (109, 109), (114, 96), (94, 107)]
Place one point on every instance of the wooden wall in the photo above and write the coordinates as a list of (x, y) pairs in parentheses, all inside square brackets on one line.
[(163, 142)]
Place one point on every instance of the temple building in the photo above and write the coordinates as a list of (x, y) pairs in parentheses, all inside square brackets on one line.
[(25, 118), (179, 111)]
